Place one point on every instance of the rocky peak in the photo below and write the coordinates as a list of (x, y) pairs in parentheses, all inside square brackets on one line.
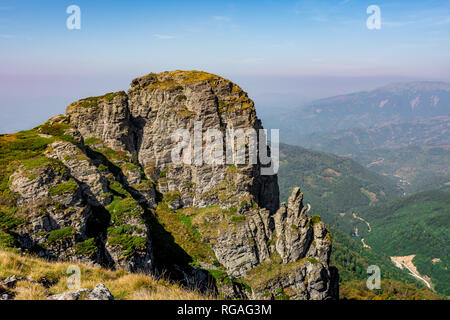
[(142, 121), (98, 185)]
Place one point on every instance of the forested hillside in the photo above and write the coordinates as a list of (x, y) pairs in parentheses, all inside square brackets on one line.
[(331, 184), (415, 225)]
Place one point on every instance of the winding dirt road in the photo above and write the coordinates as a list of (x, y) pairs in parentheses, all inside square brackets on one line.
[(406, 262), (361, 219)]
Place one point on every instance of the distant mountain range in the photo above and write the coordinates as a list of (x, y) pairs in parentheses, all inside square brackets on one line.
[(400, 130), (350, 142), (416, 168), (415, 153), (397, 102)]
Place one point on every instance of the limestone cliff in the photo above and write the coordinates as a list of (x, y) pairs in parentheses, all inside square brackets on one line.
[(99, 185)]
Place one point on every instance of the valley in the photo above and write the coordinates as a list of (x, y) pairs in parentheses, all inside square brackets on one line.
[(395, 227), (406, 262), (393, 198)]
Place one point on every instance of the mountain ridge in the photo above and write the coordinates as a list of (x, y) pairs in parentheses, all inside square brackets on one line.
[(396, 102), (98, 185)]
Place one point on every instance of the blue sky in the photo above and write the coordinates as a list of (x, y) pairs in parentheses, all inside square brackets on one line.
[(266, 46)]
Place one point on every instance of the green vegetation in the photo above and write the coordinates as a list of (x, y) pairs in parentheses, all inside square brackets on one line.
[(92, 141), (125, 215), (390, 290), (93, 102), (181, 227), (331, 184), (315, 219), (56, 129), (64, 188), (113, 155), (123, 208), (8, 221), (387, 149), (188, 185), (60, 234), (238, 218), (266, 271), (129, 244), (337, 187), (352, 261), (221, 277), (171, 196), (22, 148), (87, 248), (420, 168), (173, 80), (235, 103), (417, 224), (6, 240), (163, 173), (17, 147), (26, 148), (117, 187)]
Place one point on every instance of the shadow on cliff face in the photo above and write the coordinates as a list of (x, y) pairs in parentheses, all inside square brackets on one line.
[(170, 260)]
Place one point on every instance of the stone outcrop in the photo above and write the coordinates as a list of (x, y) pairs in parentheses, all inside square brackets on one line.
[(303, 245), (100, 292), (107, 192)]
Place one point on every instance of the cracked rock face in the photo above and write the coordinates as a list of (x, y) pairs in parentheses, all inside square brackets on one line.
[(160, 104), (108, 165)]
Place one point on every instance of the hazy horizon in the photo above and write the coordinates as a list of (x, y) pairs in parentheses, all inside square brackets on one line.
[(282, 53), (49, 97)]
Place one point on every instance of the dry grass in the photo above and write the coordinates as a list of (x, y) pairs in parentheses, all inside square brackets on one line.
[(123, 285), (26, 290)]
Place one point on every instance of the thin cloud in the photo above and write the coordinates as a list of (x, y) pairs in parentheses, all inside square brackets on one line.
[(164, 36), (253, 60), (445, 21), (320, 18), (396, 24), (222, 18), (6, 36)]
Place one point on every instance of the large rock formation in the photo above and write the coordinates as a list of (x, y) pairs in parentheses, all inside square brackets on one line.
[(99, 185)]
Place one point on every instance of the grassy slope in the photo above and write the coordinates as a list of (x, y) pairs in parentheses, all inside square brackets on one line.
[(417, 224), (123, 285)]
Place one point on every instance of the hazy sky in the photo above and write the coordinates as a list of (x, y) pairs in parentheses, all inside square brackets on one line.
[(292, 49)]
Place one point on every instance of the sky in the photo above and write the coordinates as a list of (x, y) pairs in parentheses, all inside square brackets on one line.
[(282, 53)]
